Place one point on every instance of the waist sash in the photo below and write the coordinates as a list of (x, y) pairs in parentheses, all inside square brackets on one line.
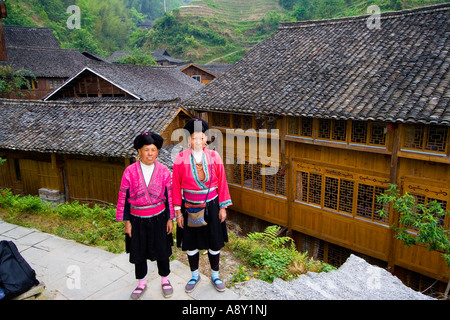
[(148, 211), (198, 196)]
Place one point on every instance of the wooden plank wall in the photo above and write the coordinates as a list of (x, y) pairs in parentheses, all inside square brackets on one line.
[(93, 180), (369, 166)]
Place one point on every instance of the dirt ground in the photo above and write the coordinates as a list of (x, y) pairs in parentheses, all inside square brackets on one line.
[(229, 264)]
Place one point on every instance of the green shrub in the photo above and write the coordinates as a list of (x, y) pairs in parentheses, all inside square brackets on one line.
[(89, 225), (273, 256)]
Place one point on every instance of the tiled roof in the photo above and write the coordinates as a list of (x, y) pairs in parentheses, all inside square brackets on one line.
[(148, 83), (81, 127), (341, 69), (46, 62), (159, 55), (30, 37), (38, 50), (215, 69)]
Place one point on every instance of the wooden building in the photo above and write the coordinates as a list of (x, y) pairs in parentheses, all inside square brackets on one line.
[(356, 108), (79, 149), (204, 73), (125, 81), (37, 50)]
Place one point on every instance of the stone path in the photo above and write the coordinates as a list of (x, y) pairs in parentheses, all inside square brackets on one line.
[(73, 271)]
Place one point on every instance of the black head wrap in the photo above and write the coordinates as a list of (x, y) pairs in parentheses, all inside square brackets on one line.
[(147, 138), (196, 125)]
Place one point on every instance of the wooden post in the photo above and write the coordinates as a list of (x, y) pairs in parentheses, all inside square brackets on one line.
[(285, 165), (393, 179)]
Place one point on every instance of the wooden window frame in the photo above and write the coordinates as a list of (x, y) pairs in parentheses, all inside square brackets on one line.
[(300, 122), (369, 133), (358, 179), (420, 188), (254, 171), (424, 140)]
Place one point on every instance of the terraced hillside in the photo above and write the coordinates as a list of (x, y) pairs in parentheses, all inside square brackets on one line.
[(244, 23), (231, 10)]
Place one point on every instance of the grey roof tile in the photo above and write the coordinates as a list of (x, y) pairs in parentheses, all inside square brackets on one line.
[(340, 69), (101, 128)]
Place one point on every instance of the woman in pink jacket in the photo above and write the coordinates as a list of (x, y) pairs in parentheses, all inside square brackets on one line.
[(199, 179), (145, 204)]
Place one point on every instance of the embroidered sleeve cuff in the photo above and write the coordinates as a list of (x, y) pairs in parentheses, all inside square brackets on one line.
[(225, 204)]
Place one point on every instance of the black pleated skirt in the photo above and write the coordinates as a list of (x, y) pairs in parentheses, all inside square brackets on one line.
[(212, 236), (149, 239)]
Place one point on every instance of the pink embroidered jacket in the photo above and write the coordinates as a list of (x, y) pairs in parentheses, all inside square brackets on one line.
[(186, 182), (145, 201)]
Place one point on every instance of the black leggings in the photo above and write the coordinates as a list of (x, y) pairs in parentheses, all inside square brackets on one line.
[(141, 268)]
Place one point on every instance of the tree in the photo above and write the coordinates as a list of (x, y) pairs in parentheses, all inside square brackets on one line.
[(138, 57), (13, 82), (427, 220), (327, 9)]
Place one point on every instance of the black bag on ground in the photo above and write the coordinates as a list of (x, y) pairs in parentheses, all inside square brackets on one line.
[(16, 275)]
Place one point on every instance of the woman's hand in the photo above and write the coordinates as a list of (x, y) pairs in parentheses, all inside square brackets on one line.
[(180, 219), (169, 226), (222, 214), (128, 228)]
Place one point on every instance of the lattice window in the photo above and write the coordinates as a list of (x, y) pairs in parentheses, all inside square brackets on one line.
[(247, 122), (425, 138), (359, 132), (331, 193), (248, 175), (268, 122), (306, 127), (260, 122), (292, 125), (270, 183), (346, 196), (315, 188), (443, 204), (271, 123), (437, 138), (367, 205), (422, 199), (257, 177), (281, 183), (332, 129), (338, 194), (324, 130), (236, 121), (302, 186), (237, 176), (377, 133), (339, 130), (300, 126), (221, 119), (414, 137)]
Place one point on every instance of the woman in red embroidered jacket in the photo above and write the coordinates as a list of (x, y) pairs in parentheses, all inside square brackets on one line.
[(145, 204), (199, 175)]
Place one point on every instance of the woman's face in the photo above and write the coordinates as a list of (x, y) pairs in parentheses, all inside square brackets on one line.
[(148, 154), (198, 141)]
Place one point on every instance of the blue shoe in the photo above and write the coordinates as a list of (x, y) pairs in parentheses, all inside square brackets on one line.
[(191, 285)]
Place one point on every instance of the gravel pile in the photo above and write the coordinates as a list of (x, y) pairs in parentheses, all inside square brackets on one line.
[(354, 280)]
